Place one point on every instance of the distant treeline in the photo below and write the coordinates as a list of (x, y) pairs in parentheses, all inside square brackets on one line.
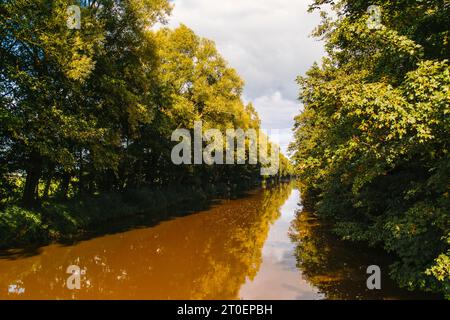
[(88, 113), (372, 144)]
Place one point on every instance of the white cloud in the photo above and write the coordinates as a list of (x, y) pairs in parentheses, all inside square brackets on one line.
[(266, 41), (278, 116), (277, 112)]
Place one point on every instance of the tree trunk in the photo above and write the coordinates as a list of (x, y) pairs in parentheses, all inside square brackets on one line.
[(30, 192), (64, 188), (51, 172), (81, 174)]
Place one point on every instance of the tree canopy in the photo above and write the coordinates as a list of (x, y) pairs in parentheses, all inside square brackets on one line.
[(91, 110), (372, 143)]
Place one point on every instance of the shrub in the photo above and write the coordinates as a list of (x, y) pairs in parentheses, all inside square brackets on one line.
[(20, 226)]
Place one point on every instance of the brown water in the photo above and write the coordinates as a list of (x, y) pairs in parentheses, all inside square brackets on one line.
[(258, 247)]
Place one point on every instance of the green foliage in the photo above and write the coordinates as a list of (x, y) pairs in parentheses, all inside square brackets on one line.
[(21, 225), (91, 111), (86, 116), (371, 145)]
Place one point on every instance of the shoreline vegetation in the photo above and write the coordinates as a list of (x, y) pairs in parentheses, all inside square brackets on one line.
[(87, 116), (371, 146), (77, 218)]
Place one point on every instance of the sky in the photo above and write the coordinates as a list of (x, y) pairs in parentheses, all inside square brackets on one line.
[(268, 42)]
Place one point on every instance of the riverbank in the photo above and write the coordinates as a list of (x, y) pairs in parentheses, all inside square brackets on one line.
[(75, 218)]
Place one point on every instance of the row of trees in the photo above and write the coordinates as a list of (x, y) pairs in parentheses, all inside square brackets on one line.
[(92, 109), (372, 143)]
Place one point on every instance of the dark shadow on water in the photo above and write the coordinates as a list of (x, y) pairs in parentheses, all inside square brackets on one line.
[(20, 253), (123, 224), (339, 268), (140, 221)]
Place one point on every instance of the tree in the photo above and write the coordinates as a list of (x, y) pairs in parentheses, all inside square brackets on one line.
[(57, 82), (371, 146)]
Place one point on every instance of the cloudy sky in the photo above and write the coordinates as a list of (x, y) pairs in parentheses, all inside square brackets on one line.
[(267, 41)]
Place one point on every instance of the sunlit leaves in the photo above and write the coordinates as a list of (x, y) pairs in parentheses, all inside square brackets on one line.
[(371, 146)]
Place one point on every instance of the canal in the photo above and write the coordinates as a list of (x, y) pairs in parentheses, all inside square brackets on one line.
[(261, 246)]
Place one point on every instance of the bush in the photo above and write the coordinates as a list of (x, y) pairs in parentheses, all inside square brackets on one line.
[(20, 226)]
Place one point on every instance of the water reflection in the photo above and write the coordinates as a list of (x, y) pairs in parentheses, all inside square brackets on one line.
[(278, 276), (257, 247), (207, 255), (337, 268)]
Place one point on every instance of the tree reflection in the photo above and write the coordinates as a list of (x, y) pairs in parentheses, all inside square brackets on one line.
[(206, 255), (337, 268)]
